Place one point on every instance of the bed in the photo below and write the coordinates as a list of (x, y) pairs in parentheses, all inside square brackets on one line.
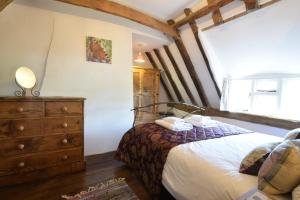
[(202, 163), (212, 168)]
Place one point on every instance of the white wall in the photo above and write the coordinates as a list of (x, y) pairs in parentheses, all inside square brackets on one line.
[(25, 36), (265, 41)]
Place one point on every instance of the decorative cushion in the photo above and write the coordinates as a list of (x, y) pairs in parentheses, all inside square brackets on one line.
[(293, 134), (296, 193), (254, 160), (280, 173)]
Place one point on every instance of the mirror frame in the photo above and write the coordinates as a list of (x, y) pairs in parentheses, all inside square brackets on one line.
[(22, 92)]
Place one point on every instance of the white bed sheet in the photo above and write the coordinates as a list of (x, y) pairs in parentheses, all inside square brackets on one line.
[(208, 170)]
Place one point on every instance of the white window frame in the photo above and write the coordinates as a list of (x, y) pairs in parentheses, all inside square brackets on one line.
[(281, 81), (276, 93)]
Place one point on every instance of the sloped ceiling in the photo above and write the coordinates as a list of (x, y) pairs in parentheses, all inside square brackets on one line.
[(263, 42), (160, 9)]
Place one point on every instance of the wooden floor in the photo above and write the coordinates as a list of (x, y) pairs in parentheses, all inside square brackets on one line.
[(99, 168)]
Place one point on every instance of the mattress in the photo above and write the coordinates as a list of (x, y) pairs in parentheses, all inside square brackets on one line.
[(208, 170)]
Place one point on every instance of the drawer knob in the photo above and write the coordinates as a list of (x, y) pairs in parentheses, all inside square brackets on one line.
[(21, 164), (65, 108), (65, 125), (21, 146), (21, 128), (20, 109), (65, 141), (65, 157)]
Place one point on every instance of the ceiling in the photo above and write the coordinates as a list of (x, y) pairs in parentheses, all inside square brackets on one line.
[(145, 43), (160, 9)]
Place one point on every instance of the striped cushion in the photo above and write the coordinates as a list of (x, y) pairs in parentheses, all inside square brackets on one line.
[(254, 160), (293, 134), (280, 173)]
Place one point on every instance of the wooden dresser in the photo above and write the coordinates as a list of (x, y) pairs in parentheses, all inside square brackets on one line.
[(40, 137)]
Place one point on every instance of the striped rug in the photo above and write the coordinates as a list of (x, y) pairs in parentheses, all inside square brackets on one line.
[(114, 189)]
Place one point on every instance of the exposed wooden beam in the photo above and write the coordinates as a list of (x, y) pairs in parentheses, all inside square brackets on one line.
[(217, 16), (154, 65), (201, 12), (244, 13), (195, 31), (190, 68), (125, 12), (4, 3), (179, 74), (268, 3), (275, 122), (169, 76), (270, 121), (218, 3), (251, 4), (214, 6)]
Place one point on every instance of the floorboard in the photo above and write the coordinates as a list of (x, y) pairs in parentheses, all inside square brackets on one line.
[(99, 168)]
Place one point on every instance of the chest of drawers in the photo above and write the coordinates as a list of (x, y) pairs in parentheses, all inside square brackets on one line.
[(40, 137)]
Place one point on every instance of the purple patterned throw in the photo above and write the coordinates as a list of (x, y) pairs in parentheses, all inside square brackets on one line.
[(145, 147)]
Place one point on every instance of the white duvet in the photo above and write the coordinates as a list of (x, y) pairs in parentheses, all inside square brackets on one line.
[(208, 170)]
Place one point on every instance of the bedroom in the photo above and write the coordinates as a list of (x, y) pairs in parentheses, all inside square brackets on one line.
[(246, 49)]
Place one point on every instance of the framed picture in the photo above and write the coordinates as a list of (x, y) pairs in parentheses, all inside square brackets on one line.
[(98, 50)]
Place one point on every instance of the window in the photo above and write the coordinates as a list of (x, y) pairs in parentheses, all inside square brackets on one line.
[(276, 97), (265, 97)]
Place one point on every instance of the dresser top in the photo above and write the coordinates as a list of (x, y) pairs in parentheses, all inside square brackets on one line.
[(47, 98)]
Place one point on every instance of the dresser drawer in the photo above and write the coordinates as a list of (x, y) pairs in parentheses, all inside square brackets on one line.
[(21, 146), (65, 108), (21, 109), (16, 128), (38, 161), (63, 125)]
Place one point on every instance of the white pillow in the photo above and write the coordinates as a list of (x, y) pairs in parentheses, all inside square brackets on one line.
[(173, 120), (296, 193), (198, 118)]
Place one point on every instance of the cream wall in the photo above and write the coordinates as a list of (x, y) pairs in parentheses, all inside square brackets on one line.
[(25, 36)]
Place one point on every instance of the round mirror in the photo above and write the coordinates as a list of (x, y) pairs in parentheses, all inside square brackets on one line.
[(25, 77)]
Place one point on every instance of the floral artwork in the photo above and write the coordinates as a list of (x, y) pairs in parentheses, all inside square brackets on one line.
[(98, 50)]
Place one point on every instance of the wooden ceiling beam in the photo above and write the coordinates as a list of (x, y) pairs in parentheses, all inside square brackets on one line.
[(190, 67), (4, 3), (270, 121), (244, 13), (154, 65), (195, 31), (218, 3), (179, 74), (125, 12), (169, 76), (202, 12), (217, 16), (251, 4), (199, 13)]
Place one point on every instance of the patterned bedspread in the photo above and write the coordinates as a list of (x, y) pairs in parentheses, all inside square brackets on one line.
[(145, 147)]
